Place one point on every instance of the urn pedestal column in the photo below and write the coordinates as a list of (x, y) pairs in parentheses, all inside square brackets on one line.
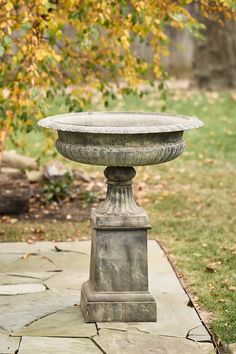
[(117, 289)]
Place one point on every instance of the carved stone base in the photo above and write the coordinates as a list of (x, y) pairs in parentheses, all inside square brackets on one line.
[(119, 208), (118, 284), (117, 306)]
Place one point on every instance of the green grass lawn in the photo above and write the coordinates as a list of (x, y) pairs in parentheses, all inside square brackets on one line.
[(191, 202)]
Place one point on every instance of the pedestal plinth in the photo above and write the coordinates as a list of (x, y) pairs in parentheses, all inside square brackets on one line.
[(117, 289)]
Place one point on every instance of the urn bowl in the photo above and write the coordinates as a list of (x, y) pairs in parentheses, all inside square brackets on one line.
[(120, 138)]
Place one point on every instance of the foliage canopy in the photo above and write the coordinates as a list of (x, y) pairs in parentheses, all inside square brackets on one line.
[(47, 46)]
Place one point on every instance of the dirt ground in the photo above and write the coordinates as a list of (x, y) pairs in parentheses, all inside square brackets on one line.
[(76, 207)]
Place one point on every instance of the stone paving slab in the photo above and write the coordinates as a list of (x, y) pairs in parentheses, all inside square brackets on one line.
[(31, 263), (44, 246), (44, 345), (68, 260), (199, 334), (37, 276), (51, 313), (134, 341), (67, 280), (160, 268), (8, 258), (18, 311), (23, 247), (174, 318), (83, 247), (8, 345), (17, 289), (64, 323), (232, 348), (8, 279)]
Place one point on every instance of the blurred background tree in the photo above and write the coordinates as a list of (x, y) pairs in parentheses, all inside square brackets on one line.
[(73, 49), (215, 56)]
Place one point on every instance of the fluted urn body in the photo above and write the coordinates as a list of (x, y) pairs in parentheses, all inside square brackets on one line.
[(120, 139), (117, 289)]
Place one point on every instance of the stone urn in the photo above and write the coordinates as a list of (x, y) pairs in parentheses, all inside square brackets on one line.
[(117, 289)]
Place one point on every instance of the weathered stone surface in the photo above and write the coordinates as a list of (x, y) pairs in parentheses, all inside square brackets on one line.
[(83, 247), (26, 248), (232, 348), (119, 260), (19, 310), (8, 345), (162, 278), (174, 317), (164, 283), (7, 279), (65, 323), (117, 289), (68, 280), (37, 263), (16, 289), (39, 345), (155, 252), (6, 259), (120, 123), (134, 341), (32, 276), (51, 313), (120, 139), (69, 261), (75, 266), (44, 246), (119, 209), (119, 311), (199, 334)]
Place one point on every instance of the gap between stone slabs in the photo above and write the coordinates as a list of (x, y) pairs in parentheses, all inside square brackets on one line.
[(132, 341), (8, 345)]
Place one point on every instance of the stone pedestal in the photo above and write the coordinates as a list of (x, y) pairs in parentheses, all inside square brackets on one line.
[(117, 289)]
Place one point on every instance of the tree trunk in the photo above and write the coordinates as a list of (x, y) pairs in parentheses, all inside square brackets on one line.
[(14, 192), (14, 160), (215, 57)]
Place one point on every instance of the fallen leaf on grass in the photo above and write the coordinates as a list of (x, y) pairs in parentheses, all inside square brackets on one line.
[(232, 288), (9, 220), (233, 95), (197, 254), (225, 248), (212, 267)]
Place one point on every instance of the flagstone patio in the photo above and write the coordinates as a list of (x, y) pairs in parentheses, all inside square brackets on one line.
[(39, 306)]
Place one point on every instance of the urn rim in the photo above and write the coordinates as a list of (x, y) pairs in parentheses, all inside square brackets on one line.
[(120, 122)]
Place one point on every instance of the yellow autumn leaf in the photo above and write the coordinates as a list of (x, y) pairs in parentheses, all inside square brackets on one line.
[(9, 6)]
